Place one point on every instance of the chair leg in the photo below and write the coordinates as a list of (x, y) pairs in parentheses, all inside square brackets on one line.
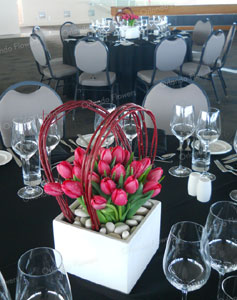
[(214, 88), (49, 81), (75, 93), (42, 78), (57, 83), (112, 94), (222, 81)]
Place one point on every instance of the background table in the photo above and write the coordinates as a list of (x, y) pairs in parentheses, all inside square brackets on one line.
[(28, 224)]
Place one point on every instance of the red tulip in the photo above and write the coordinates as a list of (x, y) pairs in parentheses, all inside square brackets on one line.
[(155, 174), (72, 189), (76, 170), (95, 177), (137, 168), (79, 156), (98, 202), (152, 185), (106, 155), (146, 162), (64, 168), (107, 186), (127, 156), (131, 185), (118, 152), (119, 197), (103, 166), (118, 169), (53, 189)]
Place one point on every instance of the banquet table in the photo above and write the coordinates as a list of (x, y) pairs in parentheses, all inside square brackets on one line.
[(125, 61), (27, 224)]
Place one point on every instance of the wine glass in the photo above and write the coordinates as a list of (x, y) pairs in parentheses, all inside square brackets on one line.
[(129, 127), (208, 131), (4, 293), (229, 288), (41, 275), (182, 126), (221, 231), (186, 263), (98, 119), (25, 144), (233, 194)]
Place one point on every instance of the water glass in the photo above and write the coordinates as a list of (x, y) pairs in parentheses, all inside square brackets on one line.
[(200, 158), (4, 293), (41, 275), (233, 194), (229, 288)]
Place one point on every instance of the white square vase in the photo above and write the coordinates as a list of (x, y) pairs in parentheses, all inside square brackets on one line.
[(105, 260)]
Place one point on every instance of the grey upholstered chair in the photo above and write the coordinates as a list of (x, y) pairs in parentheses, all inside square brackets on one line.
[(205, 68), (91, 57), (68, 29), (47, 70), (162, 97), (14, 103), (168, 56)]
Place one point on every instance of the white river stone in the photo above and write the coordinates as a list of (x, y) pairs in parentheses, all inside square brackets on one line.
[(133, 228), (131, 222), (115, 235), (103, 230), (121, 228), (88, 223), (125, 234), (80, 213), (83, 220), (110, 227), (142, 211), (148, 204), (137, 218), (78, 223)]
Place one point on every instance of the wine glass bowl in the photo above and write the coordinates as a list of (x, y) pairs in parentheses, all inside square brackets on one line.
[(233, 194), (221, 231), (129, 127), (185, 262), (182, 126)]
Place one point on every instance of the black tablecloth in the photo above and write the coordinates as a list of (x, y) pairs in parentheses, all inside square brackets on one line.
[(28, 224), (125, 61)]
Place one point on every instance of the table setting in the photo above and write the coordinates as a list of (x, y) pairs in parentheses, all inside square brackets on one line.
[(181, 201)]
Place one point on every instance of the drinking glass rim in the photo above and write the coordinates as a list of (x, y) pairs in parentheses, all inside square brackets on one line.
[(216, 216), (42, 248), (190, 222), (222, 284)]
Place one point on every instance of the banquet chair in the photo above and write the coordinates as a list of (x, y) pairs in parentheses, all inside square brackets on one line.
[(68, 29), (222, 60), (14, 104), (168, 56), (206, 66), (91, 57), (48, 70), (162, 97)]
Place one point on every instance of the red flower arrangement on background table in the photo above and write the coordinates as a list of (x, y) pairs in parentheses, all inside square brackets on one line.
[(128, 16), (108, 183)]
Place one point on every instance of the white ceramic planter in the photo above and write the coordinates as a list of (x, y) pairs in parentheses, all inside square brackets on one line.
[(130, 32), (105, 260)]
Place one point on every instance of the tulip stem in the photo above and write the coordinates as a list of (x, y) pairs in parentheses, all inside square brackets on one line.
[(115, 211), (120, 213)]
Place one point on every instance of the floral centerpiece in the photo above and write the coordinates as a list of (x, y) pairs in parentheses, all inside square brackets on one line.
[(131, 30)]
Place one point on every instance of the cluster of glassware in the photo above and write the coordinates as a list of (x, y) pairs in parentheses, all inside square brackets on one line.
[(157, 25), (192, 250), (207, 129)]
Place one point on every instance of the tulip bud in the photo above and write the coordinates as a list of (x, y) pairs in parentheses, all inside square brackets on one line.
[(53, 189), (79, 156), (72, 189), (64, 168), (137, 168), (118, 169), (98, 202), (155, 174), (131, 185), (119, 197), (95, 177), (107, 186), (103, 167), (106, 155), (152, 186), (76, 170), (127, 155), (119, 154)]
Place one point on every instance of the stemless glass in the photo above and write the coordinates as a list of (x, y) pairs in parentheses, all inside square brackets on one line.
[(186, 262), (233, 194), (208, 130), (221, 231), (229, 288), (182, 126), (98, 119), (4, 294), (25, 144), (41, 275)]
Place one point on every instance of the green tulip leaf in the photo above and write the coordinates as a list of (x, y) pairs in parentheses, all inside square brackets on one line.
[(130, 160), (120, 183), (101, 217), (138, 203), (143, 177), (135, 195), (113, 163)]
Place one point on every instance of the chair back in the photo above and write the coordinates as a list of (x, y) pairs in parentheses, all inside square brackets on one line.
[(228, 44), (67, 29), (14, 104), (91, 55), (213, 47), (170, 54), (162, 97), (201, 32), (37, 30), (38, 50)]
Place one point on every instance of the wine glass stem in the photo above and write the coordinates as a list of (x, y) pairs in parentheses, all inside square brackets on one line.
[(184, 294), (25, 169), (180, 154), (219, 290)]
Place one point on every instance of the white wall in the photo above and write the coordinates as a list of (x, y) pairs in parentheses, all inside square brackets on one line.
[(9, 17)]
